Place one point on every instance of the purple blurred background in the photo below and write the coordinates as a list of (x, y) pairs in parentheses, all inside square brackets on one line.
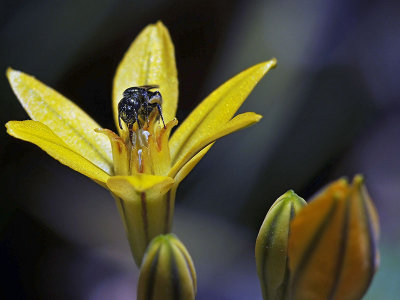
[(331, 109)]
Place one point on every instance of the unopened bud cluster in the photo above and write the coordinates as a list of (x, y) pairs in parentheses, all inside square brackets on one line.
[(324, 250)]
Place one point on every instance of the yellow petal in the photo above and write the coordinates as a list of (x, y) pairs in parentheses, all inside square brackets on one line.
[(63, 117), (150, 60), (119, 150), (158, 145), (42, 136), (188, 167), (333, 245), (239, 122), (143, 206), (217, 109)]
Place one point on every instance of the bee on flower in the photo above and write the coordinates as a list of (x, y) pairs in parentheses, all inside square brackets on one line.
[(141, 164)]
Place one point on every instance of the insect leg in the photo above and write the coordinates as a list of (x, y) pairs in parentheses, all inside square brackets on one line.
[(146, 109), (136, 118), (119, 120), (156, 101), (130, 132), (160, 112)]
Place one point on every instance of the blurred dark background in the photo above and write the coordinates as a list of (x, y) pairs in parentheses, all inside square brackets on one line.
[(331, 109)]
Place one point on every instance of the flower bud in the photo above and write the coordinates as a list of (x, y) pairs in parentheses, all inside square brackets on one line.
[(167, 271), (333, 244), (271, 245)]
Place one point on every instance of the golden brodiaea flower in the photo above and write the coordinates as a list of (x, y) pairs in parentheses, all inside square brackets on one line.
[(142, 172)]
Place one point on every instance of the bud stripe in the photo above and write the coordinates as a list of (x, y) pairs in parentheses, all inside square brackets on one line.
[(333, 251), (307, 255), (165, 274), (189, 265), (175, 275), (269, 240), (123, 209), (285, 283), (372, 237), (292, 212), (152, 275), (144, 216), (189, 268), (342, 250)]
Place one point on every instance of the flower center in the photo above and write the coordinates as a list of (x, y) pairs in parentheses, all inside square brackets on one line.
[(138, 146), (141, 150)]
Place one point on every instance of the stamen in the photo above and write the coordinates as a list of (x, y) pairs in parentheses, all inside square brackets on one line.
[(132, 137), (140, 160), (146, 134), (143, 137)]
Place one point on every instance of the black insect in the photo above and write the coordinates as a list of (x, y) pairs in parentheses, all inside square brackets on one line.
[(137, 104)]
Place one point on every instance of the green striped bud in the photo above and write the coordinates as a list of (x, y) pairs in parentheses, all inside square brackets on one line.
[(272, 245), (167, 271)]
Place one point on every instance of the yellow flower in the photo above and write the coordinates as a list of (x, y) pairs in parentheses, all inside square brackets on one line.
[(142, 175)]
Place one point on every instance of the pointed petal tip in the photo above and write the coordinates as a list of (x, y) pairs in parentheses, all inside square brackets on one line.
[(270, 64), (249, 117), (258, 117), (290, 197), (289, 193), (9, 70), (264, 66), (160, 23), (358, 180), (100, 130), (10, 125), (157, 23), (11, 73), (343, 181)]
